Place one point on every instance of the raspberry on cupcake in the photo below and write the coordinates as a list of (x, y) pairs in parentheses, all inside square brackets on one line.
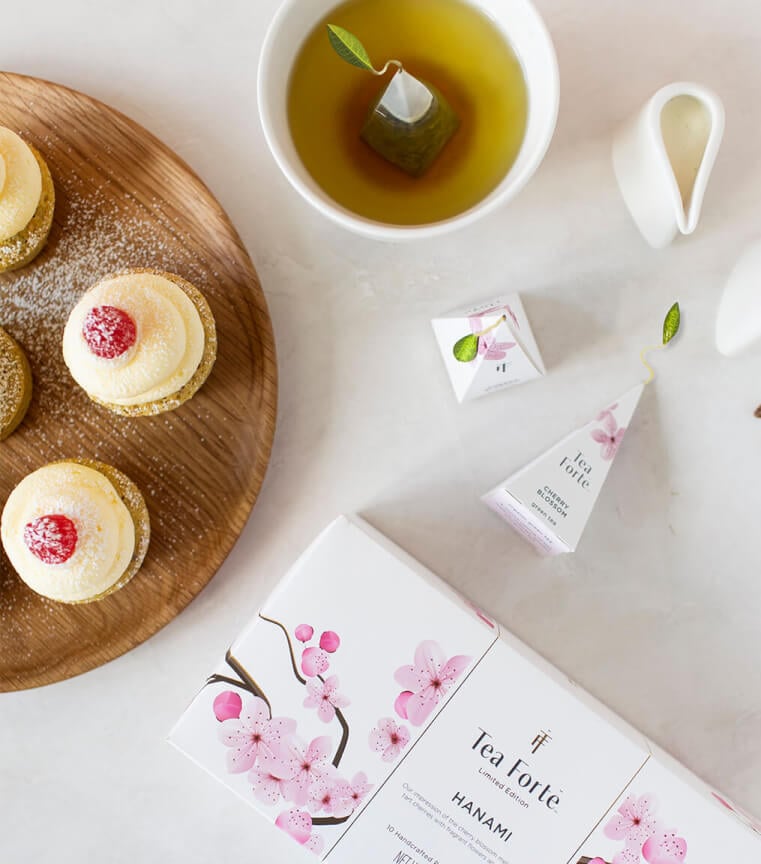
[(75, 531), (140, 342)]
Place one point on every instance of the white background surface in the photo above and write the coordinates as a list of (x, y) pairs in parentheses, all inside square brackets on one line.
[(657, 613)]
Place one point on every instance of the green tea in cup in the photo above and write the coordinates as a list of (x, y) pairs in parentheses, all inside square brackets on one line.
[(374, 164)]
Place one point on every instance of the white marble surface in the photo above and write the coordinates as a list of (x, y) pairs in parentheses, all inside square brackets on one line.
[(657, 613)]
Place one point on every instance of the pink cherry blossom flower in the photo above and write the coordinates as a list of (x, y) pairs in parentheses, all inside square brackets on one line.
[(634, 820), (400, 705), (429, 678), (596, 861), (353, 793), (487, 344), (628, 855), (665, 848), (304, 632), (253, 735), (227, 705), (296, 823), (494, 350), (389, 739), (315, 843), (326, 796), (324, 696), (329, 641), (605, 411), (314, 661), (308, 766), (610, 436), (267, 787)]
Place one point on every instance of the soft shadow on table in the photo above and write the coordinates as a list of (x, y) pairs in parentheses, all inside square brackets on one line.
[(561, 328)]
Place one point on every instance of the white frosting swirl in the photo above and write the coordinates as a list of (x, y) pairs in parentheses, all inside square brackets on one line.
[(20, 184), (105, 531), (168, 350)]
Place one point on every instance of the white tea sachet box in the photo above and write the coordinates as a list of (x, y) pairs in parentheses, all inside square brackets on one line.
[(488, 347), (374, 716), (550, 500)]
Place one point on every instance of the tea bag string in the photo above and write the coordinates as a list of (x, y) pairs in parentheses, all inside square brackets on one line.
[(643, 358), (383, 71)]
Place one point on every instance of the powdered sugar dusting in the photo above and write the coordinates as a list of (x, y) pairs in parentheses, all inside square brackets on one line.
[(124, 202), (97, 233), (95, 236)]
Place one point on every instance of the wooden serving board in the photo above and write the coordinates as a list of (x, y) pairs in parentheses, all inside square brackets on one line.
[(125, 200)]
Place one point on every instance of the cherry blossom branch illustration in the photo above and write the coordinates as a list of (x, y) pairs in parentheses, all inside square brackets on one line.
[(296, 672), (339, 714), (245, 682)]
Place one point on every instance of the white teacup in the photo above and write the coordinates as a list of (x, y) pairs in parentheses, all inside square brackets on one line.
[(522, 26)]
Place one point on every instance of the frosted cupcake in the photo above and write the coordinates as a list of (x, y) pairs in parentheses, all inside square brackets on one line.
[(75, 531), (15, 384), (27, 200), (140, 342)]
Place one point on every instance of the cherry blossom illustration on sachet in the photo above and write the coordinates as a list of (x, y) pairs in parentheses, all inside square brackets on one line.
[(324, 696), (254, 736), (427, 681), (302, 779), (610, 435), (488, 346), (642, 834), (665, 847), (389, 739), (634, 821)]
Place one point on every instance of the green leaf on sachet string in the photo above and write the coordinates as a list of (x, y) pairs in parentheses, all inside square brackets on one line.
[(671, 323), (466, 349), (349, 48)]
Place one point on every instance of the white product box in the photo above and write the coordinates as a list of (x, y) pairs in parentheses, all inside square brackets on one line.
[(376, 716), (503, 351), (550, 500)]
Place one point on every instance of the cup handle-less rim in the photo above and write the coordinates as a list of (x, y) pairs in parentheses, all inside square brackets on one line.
[(384, 231)]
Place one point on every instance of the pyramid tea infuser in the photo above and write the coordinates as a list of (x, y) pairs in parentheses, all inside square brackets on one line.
[(550, 500), (488, 347), (410, 122)]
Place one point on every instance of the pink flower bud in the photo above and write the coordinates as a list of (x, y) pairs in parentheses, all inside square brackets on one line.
[(329, 641), (227, 706), (304, 632), (314, 661), (400, 706)]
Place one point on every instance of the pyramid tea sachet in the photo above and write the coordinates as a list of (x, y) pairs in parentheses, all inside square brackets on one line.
[(550, 500), (410, 122), (488, 347)]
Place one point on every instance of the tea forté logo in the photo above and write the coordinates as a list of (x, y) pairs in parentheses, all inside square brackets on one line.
[(540, 740)]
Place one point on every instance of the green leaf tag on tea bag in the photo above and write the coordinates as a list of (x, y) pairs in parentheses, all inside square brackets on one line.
[(410, 122)]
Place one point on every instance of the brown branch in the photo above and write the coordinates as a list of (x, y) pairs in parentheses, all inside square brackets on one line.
[(290, 647), (251, 685), (585, 860), (344, 732), (339, 714), (223, 679), (330, 820), (344, 737)]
